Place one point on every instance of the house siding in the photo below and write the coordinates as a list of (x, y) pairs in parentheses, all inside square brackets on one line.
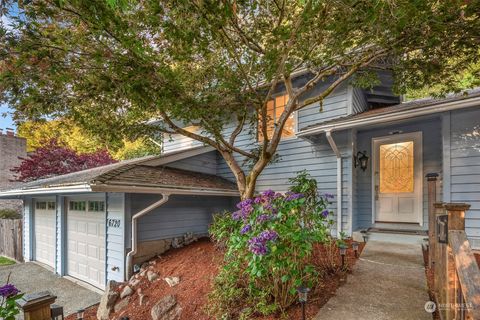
[(463, 144), (205, 163), (334, 106), (359, 101), (432, 162), (177, 142), (115, 237), (179, 215), (318, 158)]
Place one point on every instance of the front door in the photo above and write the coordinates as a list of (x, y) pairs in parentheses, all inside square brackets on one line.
[(397, 178)]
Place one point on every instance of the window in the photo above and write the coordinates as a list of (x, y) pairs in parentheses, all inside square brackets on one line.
[(41, 205), (96, 205), (396, 167), (77, 205), (51, 205), (275, 107)]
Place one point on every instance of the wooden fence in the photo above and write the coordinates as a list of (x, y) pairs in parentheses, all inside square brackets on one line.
[(11, 239), (457, 275)]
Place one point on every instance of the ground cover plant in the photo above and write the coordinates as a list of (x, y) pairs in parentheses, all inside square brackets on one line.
[(9, 214), (5, 261), (9, 294), (269, 244)]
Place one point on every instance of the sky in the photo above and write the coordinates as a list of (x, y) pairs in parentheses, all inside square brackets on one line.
[(6, 122)]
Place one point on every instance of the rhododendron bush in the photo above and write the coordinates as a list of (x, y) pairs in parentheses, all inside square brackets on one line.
[(9, 294), (268, 246)]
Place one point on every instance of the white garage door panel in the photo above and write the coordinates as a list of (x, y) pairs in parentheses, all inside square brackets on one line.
[(45, 236), (86, 246)]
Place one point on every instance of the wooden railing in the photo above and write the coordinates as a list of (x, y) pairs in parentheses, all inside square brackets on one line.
[(457, 275)]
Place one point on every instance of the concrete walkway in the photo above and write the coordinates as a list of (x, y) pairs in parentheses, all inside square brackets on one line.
[(32, 278), (388, 282)]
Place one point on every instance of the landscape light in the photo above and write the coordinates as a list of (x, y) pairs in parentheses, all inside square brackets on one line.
[(303, 297)]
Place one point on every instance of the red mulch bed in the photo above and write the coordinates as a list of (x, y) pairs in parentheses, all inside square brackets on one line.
[(197, 265)]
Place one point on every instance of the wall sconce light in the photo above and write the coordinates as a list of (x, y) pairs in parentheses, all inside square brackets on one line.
[(361, 159)]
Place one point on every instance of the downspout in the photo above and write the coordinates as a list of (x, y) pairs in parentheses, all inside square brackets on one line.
[(334, 147), (141, 213)]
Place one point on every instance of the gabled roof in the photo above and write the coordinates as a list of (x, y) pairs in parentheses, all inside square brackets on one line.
[(400, 111), (148, 174)]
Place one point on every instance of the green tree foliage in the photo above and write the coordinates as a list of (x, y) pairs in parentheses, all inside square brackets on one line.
[(113, 65), (67, 133)]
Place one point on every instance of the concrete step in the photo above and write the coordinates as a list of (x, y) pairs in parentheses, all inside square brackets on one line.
[(391, 236)]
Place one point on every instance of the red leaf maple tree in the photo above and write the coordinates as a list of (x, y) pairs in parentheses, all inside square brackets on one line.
[(54, 159)]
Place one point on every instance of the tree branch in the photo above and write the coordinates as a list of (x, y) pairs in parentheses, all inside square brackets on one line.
[(364, 62)]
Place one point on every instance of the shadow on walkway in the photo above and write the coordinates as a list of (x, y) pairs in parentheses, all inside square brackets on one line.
[(388, 282)]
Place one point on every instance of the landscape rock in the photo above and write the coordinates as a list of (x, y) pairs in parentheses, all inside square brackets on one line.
[(189, 238), (127, 291), (177, 242), (107, 302), (166, 309), (133, 282), (172, 281), (122, 304), (142, 298), (152, 276)]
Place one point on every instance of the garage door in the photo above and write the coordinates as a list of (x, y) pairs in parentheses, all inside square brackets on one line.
[(86, 240), (44, 228)]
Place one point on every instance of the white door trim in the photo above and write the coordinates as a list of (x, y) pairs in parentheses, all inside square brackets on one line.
[(418, 136)]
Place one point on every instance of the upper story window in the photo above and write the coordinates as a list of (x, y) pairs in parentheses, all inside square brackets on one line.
[(275, 107)]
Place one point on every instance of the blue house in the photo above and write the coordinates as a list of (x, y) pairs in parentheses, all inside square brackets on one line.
[(366, 147)]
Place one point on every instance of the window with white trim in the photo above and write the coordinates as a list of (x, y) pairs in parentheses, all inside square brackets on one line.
[(275, 108)]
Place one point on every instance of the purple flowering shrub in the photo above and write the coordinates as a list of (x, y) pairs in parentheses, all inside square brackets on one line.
[(268, 245), (9, 294)]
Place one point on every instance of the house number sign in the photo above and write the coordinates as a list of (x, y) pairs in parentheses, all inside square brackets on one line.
[(114, 223)]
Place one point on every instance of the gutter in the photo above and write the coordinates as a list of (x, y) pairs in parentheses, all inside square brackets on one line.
[(78, 188), (138, 215), (334, 147), (389, 117), (159, 190)]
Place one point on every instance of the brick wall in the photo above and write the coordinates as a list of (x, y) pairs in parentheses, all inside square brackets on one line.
[(11, 147)]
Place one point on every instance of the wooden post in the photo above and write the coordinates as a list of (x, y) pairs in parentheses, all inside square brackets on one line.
[(37, 306), (440, 248), (432, 199), (456, 222)]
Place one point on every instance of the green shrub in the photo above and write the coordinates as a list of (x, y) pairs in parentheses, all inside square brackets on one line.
[(268, 247), (9, 214)]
